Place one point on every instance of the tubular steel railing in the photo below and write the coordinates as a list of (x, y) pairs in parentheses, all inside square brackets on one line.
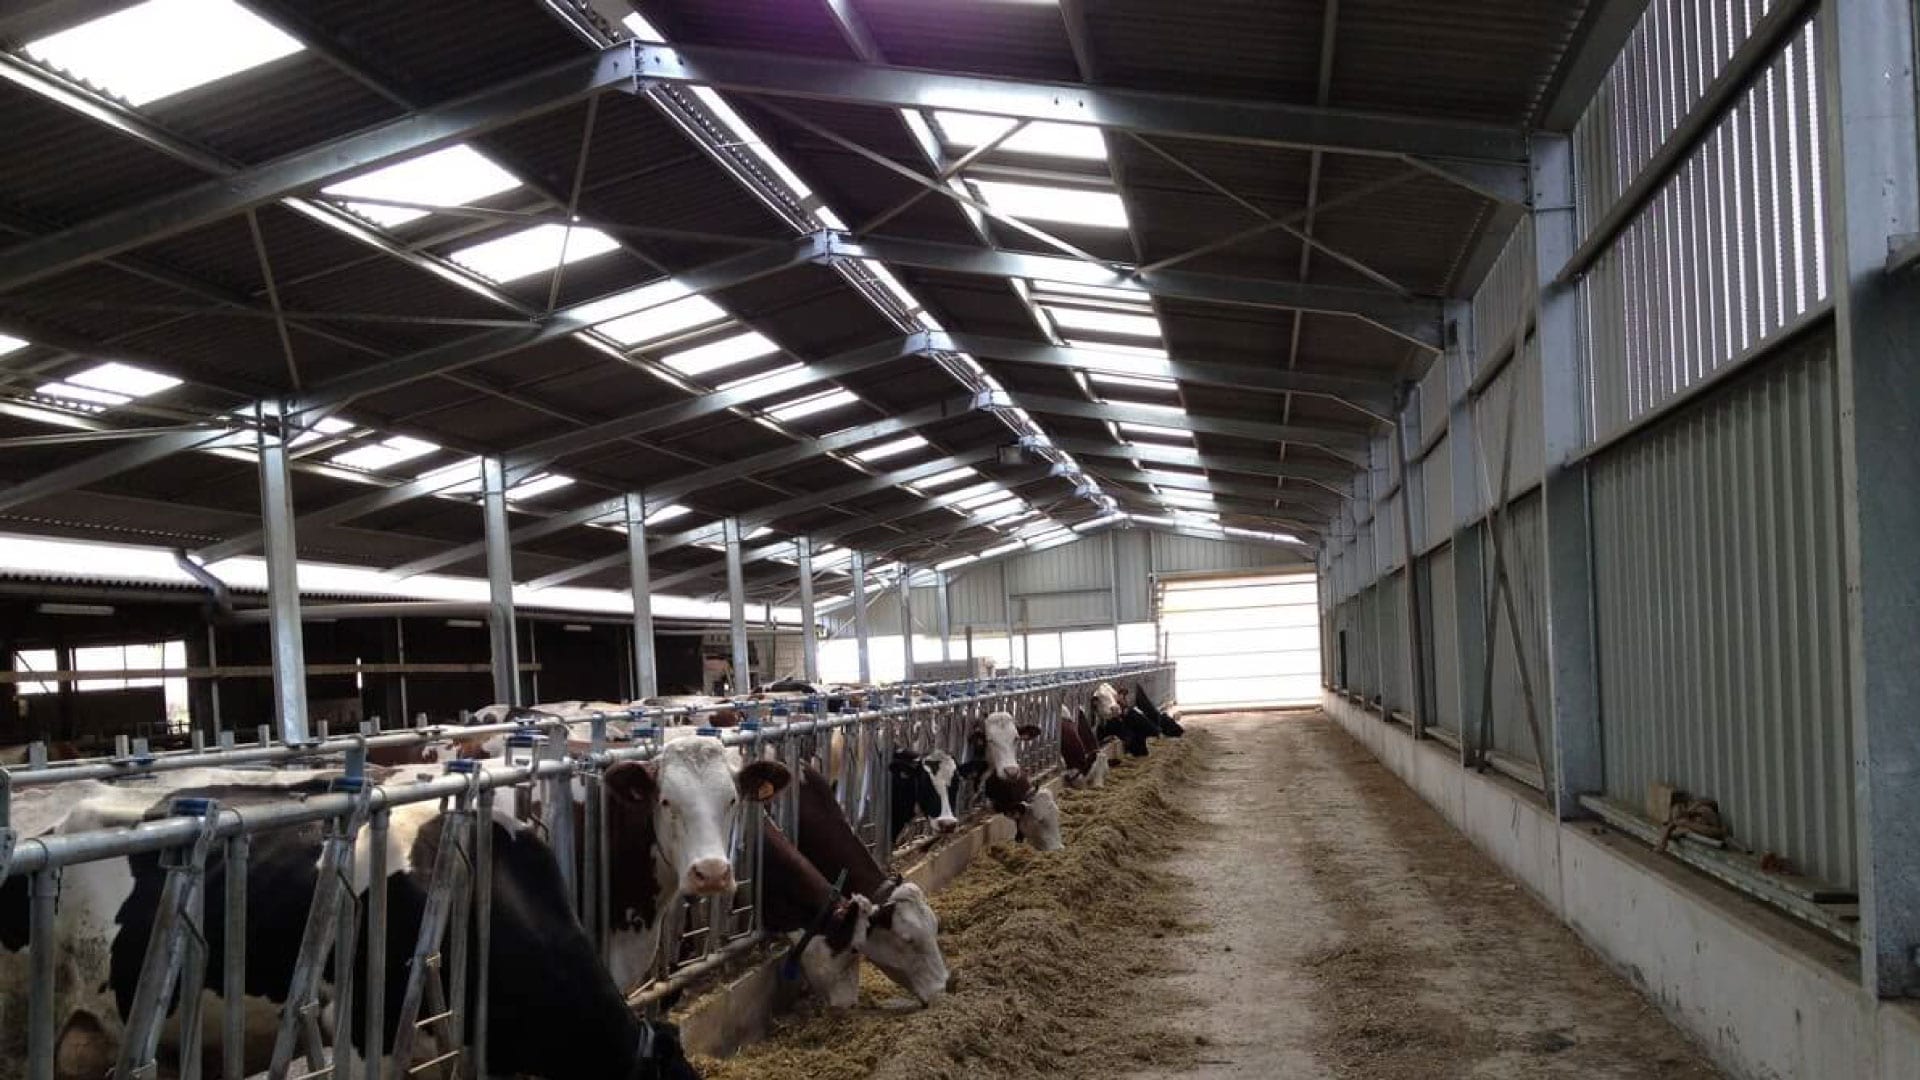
[(544, 754)]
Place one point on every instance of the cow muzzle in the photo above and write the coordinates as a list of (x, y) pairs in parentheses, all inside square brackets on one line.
[(709, 877), (946, 824)]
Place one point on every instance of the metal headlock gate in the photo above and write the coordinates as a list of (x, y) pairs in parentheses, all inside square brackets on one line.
[(697, 936)]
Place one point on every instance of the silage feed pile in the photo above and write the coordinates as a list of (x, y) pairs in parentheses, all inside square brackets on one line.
[(1053, 955)]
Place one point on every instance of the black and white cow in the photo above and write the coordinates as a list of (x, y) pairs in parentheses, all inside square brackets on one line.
[(1168, 726), (927, 785), (1116, 721), (556, 1013)]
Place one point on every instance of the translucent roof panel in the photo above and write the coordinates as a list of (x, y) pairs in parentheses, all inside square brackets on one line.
[(1140, 351), (1103, 322), (126, 379), (1132, 381), (1155, 433), (968, 130), (890, 449), (330, 425), (10, 344), (1068, 206), (84, 397), (160, 48), (456, 176), (951, 476), (530, 251), (667, 513), (536, 486), (662, 322), (816, 403), (384, 454), (723, 353)]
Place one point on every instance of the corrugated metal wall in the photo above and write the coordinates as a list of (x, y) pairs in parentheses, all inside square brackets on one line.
[(1720, 613), (1437, 568), (1133, 562), (1175, 554), (1524, 536), (976, 599)]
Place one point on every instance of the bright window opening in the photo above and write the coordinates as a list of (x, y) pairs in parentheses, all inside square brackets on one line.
[(1068, 206), (968, 130), (384, 454), (664, 321), (1155, 433), (163, 47), (531, 251), (10, 344), (992, 493), (890, 449), (1053, 290), (456, 176), (1109, 379), (816, 403), (726, 352), (643, 30), (118, 378), (327, 426), (1103, 322), (942, 479)]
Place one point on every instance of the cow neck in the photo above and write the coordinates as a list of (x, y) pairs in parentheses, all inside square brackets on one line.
[(634, 893), (795, 893), (1007, 795), (830, 843)]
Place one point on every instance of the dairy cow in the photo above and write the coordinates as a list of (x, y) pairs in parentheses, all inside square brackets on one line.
[(927, 785), (1009, 790), (1080, 749), (903, 933), (546, 989), (1167, 725)]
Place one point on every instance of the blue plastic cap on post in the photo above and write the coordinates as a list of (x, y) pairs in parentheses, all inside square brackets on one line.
[(643, 731), (348, 784), (706, 729), (749, 725), (463, 765), (523, 739), (191, 806), (779, 711)]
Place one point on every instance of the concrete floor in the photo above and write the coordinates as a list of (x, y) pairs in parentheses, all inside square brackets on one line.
[(1352, 933)]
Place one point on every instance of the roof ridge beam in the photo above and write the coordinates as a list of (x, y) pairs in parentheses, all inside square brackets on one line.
[(1191, 116), (1350, 443)]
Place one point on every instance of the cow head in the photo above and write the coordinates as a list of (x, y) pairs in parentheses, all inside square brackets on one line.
[(1106, 703), (695, 790), (903, 940), (1040, 822), (1002, 736), (929, 784)]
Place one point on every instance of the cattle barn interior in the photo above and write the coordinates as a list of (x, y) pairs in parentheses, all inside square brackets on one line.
[(635, 497)]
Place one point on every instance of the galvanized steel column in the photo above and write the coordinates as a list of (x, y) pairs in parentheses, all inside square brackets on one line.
[(809, 640), (737, 609), (906, 618), (940, 614), (646, 681), (500, 620), (1406, 441), (283, 581), (1470, 627), (1573, 712), (859, 569), (1873, 185)]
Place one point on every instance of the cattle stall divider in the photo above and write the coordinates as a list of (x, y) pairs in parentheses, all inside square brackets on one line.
[(868, 726)]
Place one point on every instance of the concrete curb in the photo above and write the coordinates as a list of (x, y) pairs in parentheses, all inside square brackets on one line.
[(740, 1013)]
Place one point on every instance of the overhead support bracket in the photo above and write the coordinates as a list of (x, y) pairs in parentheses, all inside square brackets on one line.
[(1503, 183)]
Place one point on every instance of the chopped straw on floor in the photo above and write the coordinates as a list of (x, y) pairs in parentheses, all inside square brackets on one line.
[(1051, 951)]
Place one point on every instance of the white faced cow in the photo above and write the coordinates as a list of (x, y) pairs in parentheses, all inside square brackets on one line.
[(1010, 791), (670, 825)]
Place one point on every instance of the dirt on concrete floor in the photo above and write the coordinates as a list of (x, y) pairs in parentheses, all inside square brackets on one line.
[(1349, 931)]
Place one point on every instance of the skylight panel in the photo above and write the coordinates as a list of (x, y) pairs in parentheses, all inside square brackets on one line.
[(993, 493), (163, 47), (536, 486), (125, 379), (994, 511), (1193, 498), (10, 344), (1137, 381), (664, 321), (815, 403), (942, 479), (1103, 322), (642, 30), (83, 396), (968, 130), (1068, 206), (461, 478), (330, 425), (1147, 352), (751, 140), (384, 454), (974, 491), (530, 251), (1151, 406), (1175, 476), (668, 513), (723, 353), (1155, 433), (456, 176), (890, 449), (1042, 289)]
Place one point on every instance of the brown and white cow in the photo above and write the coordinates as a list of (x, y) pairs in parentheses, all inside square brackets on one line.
[(1010, 791)]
